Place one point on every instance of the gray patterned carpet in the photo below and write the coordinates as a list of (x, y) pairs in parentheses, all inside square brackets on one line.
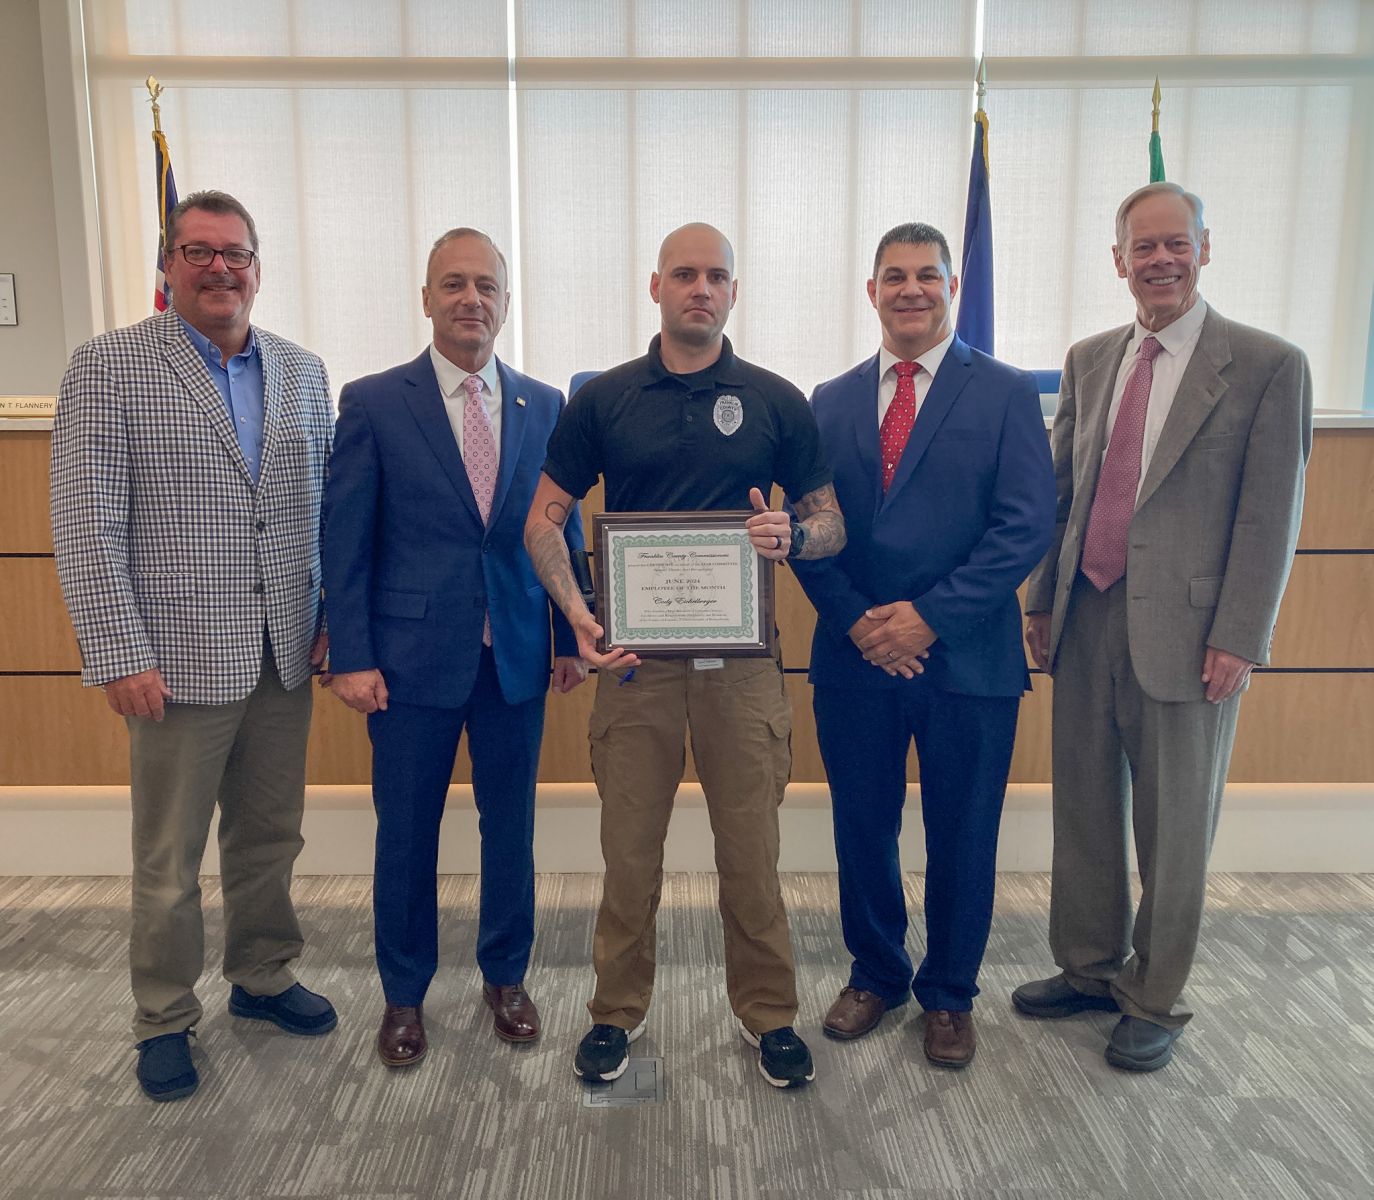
[(1271, 1094)]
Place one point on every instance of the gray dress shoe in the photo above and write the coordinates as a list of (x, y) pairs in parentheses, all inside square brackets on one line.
[(1140, 1045), (1057, 997)]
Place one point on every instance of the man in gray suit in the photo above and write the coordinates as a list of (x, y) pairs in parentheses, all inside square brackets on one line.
[(1179, 450), (189, 454)]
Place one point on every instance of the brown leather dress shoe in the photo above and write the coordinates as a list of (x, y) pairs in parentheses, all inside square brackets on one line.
[(514, 1017), (401, 1041), (950, 1040), (853, 1014)]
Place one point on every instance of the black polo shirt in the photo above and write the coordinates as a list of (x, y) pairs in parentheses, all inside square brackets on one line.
[(686, 443)]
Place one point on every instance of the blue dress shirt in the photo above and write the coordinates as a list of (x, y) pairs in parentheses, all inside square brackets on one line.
[(241, 387)]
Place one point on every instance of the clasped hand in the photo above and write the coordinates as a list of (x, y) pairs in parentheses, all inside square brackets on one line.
[(894, 637)]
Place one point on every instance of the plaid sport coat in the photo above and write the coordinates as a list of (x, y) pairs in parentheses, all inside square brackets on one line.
[(168, 553)]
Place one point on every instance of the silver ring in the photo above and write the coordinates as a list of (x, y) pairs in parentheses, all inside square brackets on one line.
[(777, 542)]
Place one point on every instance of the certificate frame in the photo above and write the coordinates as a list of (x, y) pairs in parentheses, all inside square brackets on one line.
[(626, 546)]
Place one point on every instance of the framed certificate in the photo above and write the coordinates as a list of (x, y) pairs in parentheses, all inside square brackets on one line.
[(672, 585)]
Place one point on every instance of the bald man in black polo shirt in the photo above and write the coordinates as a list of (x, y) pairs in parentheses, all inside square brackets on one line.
[(689, 427)]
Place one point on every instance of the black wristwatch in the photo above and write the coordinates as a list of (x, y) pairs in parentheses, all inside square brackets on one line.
[(798, 539)]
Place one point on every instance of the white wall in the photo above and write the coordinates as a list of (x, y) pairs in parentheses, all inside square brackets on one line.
[(33, 353)]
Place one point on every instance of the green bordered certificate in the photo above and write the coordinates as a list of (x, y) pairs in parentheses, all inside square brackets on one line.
[(682, 584)]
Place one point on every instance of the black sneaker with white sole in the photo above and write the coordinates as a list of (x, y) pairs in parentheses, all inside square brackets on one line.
[(784, 1059), (604, 1053)]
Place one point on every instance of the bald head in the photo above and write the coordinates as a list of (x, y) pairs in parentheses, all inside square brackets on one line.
[(694, 288), (700, 237)]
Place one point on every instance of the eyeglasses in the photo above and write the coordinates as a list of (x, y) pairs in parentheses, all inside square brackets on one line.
[(202, 256)]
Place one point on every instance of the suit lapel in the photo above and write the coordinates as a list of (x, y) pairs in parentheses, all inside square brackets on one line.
[(426, 404), (863, 417), (949, 381), (273, 389), (1096, 386), (1198, 392), (514, 421), (190, 368)]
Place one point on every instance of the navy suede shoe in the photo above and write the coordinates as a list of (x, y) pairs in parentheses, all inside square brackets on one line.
[(297, 1010), (164, 1070)]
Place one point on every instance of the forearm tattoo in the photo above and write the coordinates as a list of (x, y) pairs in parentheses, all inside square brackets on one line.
[(549, 554), (819, 512)]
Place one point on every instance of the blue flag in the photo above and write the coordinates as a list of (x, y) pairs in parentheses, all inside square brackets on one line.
[(975, 322)]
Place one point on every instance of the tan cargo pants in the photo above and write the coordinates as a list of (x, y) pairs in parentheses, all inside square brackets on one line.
[(740, 725)]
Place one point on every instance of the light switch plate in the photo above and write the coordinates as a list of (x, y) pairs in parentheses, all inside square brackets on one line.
[(9, 314)]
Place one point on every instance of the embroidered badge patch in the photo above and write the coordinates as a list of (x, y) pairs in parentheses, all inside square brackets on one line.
[(729, 414)]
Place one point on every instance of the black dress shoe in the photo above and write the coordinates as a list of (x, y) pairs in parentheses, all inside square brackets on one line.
[(401, 1040), (1140, 1045), (1057, 997), (165, 1070)]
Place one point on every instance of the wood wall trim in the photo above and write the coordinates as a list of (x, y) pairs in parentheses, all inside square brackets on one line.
[(1294, 727)]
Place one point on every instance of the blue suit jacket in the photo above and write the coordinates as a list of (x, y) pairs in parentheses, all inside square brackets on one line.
[(409, 568), (970, 512)]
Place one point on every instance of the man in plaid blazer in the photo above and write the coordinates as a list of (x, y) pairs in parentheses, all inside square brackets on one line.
[(189, 456)]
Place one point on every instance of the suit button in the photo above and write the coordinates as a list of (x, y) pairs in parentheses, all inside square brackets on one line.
[(258, 588)]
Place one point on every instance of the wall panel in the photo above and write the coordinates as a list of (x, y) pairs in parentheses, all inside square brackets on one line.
[(1305, 723)]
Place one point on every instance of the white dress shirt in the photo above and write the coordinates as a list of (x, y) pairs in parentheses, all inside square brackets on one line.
[(887, 377), (451, 378), (1178, 341)]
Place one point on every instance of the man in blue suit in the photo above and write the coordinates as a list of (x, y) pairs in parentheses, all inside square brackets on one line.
[(942, 470), (438, 624)]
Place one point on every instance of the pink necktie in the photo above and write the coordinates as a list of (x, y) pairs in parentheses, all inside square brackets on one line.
[(480, 458), (1104, 545), (898, 420)]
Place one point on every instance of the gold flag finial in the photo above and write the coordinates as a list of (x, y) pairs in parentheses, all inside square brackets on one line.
[(1154, 126), (154, 91), (982, 78)]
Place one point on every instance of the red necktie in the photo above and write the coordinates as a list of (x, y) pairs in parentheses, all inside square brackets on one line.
[(1104, 545), (898, 420)]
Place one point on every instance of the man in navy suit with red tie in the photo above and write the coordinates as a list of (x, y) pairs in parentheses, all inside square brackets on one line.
[(438, 624), (942, 469)]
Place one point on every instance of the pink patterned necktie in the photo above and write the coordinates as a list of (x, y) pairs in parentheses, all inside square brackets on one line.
[(480, 458), (1104, 545), (898, 420)]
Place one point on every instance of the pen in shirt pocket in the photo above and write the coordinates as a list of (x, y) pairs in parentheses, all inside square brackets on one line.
[(624, 679)]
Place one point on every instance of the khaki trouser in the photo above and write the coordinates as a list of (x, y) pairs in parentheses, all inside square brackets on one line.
[(740, 725), (249, 757), (1120, 755)]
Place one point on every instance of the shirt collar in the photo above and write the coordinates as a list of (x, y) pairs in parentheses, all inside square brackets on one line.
[(724, 370), (930, 361), (450, 375), (1176, 335), (210, 352)]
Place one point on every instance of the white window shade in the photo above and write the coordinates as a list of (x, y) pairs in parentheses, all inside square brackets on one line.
[(1268, 164), (735, 29), (1172, 28), (298, 28), (357, 132)]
